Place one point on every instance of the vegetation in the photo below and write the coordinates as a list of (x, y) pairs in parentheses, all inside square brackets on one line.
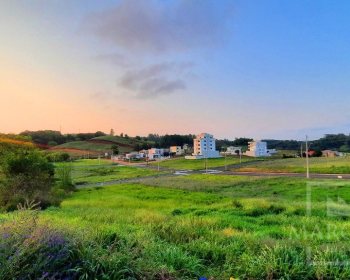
[(87, 146), (99, 171), (27, 175), (170, 227), (53, 138), (57, 157), (198, 164), (192, 226), (103, 144), (340, 165)]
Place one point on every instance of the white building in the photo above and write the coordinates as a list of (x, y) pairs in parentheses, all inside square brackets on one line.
[(155, 153), (134, 155), (259, 149), (233, 151), (204, 147), (177, 150)]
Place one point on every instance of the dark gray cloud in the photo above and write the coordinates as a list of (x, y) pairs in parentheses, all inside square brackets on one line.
[(162, 26), (140, 30), (156, 80)]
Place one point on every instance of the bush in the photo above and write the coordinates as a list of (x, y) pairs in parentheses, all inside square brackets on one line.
[(57, 157), (65, 181), (27, 176)]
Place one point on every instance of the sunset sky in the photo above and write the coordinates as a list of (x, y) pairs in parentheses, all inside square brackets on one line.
[(261, 69)]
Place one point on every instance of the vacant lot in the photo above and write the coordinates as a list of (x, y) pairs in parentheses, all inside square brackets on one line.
[(217, 226), (99, 171), (339, 165), (198, 164)]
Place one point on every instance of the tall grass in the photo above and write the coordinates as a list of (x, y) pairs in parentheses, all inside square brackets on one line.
[(201, 225)]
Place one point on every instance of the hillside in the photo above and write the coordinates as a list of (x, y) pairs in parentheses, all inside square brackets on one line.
[(100, 145), (120, 141)]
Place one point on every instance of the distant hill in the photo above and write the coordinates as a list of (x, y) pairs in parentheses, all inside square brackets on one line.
[(102, 144)]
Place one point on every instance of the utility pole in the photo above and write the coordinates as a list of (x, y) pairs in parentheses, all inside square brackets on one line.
[(301, 150), (307, 159), (206, 156), (225, 160), (225, 153)]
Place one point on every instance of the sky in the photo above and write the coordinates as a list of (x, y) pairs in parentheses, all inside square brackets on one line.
[(235, 68)]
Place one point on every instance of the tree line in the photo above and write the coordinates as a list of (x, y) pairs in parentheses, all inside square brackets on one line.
[(340, 142)]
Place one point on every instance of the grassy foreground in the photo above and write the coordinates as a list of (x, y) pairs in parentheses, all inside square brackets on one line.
[(210, 225)]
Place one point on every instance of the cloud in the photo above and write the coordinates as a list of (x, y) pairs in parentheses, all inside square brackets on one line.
[(162, 26), (115, 59), (156, 79)]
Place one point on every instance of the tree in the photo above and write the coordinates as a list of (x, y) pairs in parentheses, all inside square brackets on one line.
[(28, 176), (115, 149), (112, 132), (99, 133)]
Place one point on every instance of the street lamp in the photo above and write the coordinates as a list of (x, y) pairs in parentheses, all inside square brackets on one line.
[(307, 158), (225, 154)]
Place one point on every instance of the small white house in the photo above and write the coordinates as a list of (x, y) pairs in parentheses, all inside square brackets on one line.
[(155, 153), (204, 147), (259, 149), (177, 150), (233, 151), (133, 155)]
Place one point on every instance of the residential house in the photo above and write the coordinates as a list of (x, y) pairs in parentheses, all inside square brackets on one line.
[(259, 149), (330, 153), (177, 150), (233, 151)]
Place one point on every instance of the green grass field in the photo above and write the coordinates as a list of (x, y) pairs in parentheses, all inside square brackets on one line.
[(217, 226), (81, 163), (100, 170), (323, 165), (84, 145), (198, 164), (121, 140)]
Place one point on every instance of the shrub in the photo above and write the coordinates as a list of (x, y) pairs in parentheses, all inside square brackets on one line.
[(176, 212), (27, 176), (64, 174), (237, 204), (58, 157)]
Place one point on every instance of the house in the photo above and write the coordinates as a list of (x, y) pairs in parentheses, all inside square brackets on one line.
[(177, 150), (187, 149), (204, 147), (259, 149), (330, 153), (155, 153), (233, 151), (133, 155), (311, 153)]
